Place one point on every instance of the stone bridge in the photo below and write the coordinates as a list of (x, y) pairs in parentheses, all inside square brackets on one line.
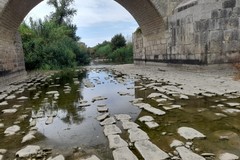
[(171, 31)]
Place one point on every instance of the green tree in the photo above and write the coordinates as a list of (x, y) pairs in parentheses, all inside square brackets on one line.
[(118, 41)]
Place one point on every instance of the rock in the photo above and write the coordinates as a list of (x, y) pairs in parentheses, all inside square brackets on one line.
[(84, 105), (220, 115), (10, 97), (137, 100), (88, 84), (146, 119), (136, 134), (11, 130), (1, 157), (9, 111), (59, 157), (155, 111), (172, 107), (1, 125), (190, 133), (123, 153), (228, 156), (161, 100), (187, 154), (99, 98), (49, 120), (152, 125), (183, 97), (122, 117), (129, 125), (115, 141), (16, 106), (93, 157), (52, 92), (102, 117), (33, 122), (108, 121), (4, 103), (233, 104), (23, 98), (149, 151), (28, 137), (28, 151), (123, 93), (102, 109), (3, 151), (176, 143), (111, 130), (208, 155), (231, 111)]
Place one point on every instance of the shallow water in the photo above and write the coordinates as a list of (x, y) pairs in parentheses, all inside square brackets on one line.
[(76, 126)]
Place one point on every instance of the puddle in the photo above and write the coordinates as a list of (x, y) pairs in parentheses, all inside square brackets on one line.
[(56, 106)]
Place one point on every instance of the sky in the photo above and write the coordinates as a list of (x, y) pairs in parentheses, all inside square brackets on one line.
[(97, 20)]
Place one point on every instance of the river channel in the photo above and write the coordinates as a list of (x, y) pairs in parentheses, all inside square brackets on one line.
[(61, 110)]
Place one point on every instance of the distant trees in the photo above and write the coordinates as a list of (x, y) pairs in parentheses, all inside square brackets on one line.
[(52, 43), (118, 50)]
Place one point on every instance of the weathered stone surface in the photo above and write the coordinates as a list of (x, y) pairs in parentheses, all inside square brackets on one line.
[(228, 156), (129, 125), (150, 151), (1, 157), (111, 130), (136, 134), (152, 125), (9, 111), (190, 133), (52, 92), (108, 121), (1, 125), (115, 141), (187, 154), (23, 98), (146, 119), (123, 154), (172, 107), (154, 111), (3, 151), (231, 111), (28, 151), (49, 120), (12, 130), (102, 109), (102, 117), (10, 97), (93, 157), (99, 98), (28, 137), (122, 117), (4, 103), (233, 104), (176, 143)]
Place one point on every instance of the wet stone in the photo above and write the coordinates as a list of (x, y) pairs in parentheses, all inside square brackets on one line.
[(228, 156), (108, 121), (136, 134), (122, 117), (152, 125), (146, 119), (129, 125), (28, 151), (115, 141), (11, 130), (49, 120), (102, 109), (102, 117), (150, 151), (9, 111), (111, 130), (187, 154), (123, 153), (99, 98), (190, 133)]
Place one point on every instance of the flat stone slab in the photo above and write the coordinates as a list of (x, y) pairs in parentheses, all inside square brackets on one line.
[(49, 120), (187, 154), (9, 111), (3, 151), (176, 143), (93, 157), (11, 130), (115, 141), (84, 105), (150, 151), (228, 156), (136, 134), (23, 98), (102, 109), (52, 92), (28, 137), (157, 95), (122, 117), (129, 125), (28, 151), (231, 111), (123, 154), (182, 96), (155, 111), (172, 107), (152, 125), (233, 104), (99, 98), (108, 121), (1, 125), (111, 130), (190, 133), (102, 117), (10, 97), (146, 119), (4, 103), (1, 157)]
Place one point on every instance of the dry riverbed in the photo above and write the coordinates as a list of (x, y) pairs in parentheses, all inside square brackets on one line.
[(123, 112)]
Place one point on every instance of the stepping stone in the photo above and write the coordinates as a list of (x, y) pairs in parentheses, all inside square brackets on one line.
[(52, 92), (108, 121), (23, 98), (172, 107), (123, 153), (99, 98), (146, 119), (102, 117), (1, 125), (233, 104), (161, 100), (228, 156), (150, 151), (28, 137), (122, 117), (156, 95), (49, 120), (93, 157), (16, 106), (137, 100), (102, 109), (176, 143), (136, 134), (190, 133), (129, 125), (155, 111), (9, 111), (152, 125), (183, 97), (111, 130), (33, 123), (123, 93), (187, 154), (28, 151), (142, 105), (4, 103), (11, 130), (115, 141), (1, 157), (10, 97), (3, 151), (84, 105), (231, 111)]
